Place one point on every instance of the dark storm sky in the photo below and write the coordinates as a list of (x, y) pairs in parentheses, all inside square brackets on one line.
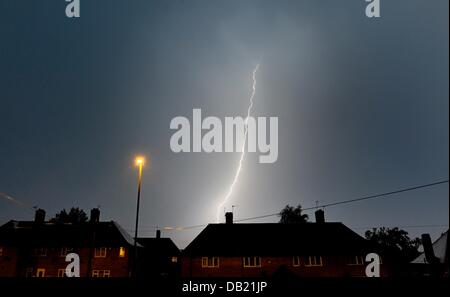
[(362, 107)]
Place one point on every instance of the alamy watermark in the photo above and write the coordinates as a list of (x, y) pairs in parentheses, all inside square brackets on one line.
[(73, 9), (236, 134)]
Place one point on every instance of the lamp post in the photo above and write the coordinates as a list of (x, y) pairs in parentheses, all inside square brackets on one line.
[(139, 161)]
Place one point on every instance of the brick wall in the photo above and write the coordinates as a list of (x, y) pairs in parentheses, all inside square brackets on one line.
[(14, 263), (332, 266)]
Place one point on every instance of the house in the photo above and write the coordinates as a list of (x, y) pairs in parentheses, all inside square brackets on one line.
[(440, 249), (159, 257), (433, 261), (320, 249), (39, 248)]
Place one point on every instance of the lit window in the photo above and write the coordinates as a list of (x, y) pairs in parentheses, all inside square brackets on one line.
[(29, 272), (40, 252), (252, 262), (61, 273), (40, 272), (313, 261), (100, 252), (65, 251), (101, 273), (356, 260), (296, 261), (121, 252), (174, 259), (210, 262)]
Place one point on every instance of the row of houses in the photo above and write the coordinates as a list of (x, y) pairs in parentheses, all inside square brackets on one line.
[(322, 249)]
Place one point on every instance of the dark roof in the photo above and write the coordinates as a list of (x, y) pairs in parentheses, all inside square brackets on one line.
[(29, 233), (159, 246), (277, 240)]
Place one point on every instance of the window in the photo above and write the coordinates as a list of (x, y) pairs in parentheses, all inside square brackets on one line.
[(121, 252), (313, 261), (296, 261), (29, 272), (61, 272), (65, 251), (40, 272), (101, 273), (356, 260), (210, 262), (100, 252), (252, 261), (40, 252), (174, 259)]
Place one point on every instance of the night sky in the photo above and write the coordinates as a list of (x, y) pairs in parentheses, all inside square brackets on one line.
[(362, 105)]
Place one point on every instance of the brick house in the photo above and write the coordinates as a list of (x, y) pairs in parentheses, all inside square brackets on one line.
[(318, 249), (159, 257), (38, 248)]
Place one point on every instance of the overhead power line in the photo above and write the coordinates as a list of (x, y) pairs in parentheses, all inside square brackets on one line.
[(381, 195)]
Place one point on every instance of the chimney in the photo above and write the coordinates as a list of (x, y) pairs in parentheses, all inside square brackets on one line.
[(158, 233), (320, 216), (95, 215), (39, 216), (228, 218), (428, 249)]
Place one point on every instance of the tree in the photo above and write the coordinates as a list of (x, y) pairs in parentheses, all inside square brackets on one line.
[(292, 215), (75, 216), (395, 240)]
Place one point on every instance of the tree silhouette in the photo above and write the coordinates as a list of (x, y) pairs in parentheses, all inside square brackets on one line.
[(75, 216), (396, 240), (292, 215)]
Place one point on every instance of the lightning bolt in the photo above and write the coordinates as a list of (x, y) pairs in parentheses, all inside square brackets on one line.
[(238, 171)]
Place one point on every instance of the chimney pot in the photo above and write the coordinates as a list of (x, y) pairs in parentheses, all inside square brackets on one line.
[(320, 216), (158, 233), (95, 215), (428, 249), (39, 216), (229, 218)]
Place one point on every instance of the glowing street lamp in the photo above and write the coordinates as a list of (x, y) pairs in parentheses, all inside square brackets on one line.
[(140, 162)]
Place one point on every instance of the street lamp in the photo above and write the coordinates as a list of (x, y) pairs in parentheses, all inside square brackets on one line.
[(139, 161)]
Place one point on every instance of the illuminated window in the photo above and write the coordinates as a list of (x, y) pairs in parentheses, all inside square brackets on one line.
[(174, 259), (296, 261), (356, 260), (100, 252), (313, 261), (29, 272), (121, 252), (101, 273), (210, 262), (65, 251), (252, 262), (61, 273), (40, 272), (40, 252)]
